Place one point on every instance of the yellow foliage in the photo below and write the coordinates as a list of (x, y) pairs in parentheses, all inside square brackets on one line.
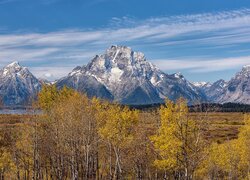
[(6, 162), (244, 134), (50, 95), (176, 138), (231, 159), (47, 97), (116, 124)]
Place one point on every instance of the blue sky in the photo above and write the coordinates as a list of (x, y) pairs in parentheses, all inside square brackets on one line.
[(205, 40)]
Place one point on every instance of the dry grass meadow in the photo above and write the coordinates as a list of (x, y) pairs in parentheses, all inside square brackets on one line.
[(222, 126)]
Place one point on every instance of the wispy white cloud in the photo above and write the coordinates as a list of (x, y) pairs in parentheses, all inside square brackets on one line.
[(50, 73), (211, 30), (24, 54), (154, 29), (204, 65)]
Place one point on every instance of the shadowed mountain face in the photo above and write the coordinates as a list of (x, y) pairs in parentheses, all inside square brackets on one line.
[(213, 91), (85, 84), (17, 85), (238, 88), (127, 77)]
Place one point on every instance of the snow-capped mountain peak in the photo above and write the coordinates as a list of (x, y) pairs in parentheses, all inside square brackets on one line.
[(12, 67), (244, 72), (116, 56), (246, 67), (129, 78), (17, 85), (15, 69), (13, 64)]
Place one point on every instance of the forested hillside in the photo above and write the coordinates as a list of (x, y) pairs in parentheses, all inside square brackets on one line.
[(80, 138)]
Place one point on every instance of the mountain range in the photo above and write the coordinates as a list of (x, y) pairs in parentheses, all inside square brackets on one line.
[(127, 77)]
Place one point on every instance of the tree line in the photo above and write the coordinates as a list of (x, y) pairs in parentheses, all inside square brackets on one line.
[(80, 138)]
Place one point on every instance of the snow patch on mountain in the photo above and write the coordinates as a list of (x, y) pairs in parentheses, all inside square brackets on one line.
[(201, 84)]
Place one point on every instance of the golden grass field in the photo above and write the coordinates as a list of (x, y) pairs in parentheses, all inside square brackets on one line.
[(222, 126)]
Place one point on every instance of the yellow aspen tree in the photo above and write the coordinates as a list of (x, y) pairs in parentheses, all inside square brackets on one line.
[(24, 152), (116, 128), (166, 142), (178, 142), (70, 130), (7, 165), (244, 144), (140, 154), (227, 160), (47, 96), (231, 159)]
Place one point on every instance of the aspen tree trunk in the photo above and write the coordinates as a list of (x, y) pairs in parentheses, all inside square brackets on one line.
[(46, 173), (2, 174), (118, 169), (87, 162), (110, 161), (35, 153), (18, 173), (97, 164)]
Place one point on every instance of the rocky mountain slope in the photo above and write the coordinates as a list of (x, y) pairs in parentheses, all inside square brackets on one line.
[(214, 91), (18, 86), (211, 91), (238, 88), (127, 77)]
